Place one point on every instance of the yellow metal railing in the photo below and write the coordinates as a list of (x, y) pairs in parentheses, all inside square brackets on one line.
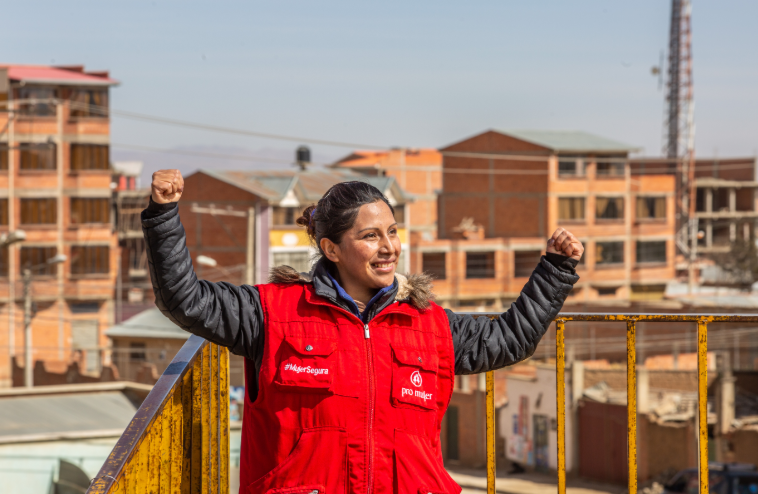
[(178, 441), (631, 320)]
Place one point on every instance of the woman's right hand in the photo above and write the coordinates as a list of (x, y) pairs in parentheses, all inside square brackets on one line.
[(167, 186)]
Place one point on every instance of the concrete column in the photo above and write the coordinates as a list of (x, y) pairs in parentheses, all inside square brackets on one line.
[(643, 390), (724, 394), (709, 200), (732, 200), (709, 233)]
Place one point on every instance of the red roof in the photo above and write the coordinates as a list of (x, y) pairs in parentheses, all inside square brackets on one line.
[(58, 75)]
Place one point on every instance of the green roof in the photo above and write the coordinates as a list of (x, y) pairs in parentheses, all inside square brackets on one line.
[(150, 323), (574, 141)]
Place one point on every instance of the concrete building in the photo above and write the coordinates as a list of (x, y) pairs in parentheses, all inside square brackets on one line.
[(503, 194), (55, 185), (243, 222)]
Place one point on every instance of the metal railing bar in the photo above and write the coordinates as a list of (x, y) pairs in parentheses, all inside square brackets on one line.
[(491, 448), (702, 399), (150, 409), (577, 316), (631, 400), (560, 395)]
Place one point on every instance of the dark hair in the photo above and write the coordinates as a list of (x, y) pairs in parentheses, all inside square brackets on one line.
[(335, 213)]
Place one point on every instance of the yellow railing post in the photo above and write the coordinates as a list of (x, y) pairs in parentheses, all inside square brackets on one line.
[(702, 403), (560, 396), (631, 400), (490, 432)]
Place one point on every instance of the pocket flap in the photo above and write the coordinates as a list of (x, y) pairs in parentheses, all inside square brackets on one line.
[(416, 357), (309, 346)]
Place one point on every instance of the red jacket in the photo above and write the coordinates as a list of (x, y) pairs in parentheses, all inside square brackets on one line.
[(347, 407)]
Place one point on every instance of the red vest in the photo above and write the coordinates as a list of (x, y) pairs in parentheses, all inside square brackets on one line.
[(344, 407)]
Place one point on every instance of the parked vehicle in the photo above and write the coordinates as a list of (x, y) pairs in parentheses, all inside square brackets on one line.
[(723, 478)]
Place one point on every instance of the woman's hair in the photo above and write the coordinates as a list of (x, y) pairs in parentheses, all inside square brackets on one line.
[(335, 213)]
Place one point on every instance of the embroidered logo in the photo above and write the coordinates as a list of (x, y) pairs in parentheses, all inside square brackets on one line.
[(307, 369), (416, 379)]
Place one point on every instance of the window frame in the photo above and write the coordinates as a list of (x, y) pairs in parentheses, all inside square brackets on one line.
[(527, 256), (639, 243), (609, 264), (75, 261), (435, 273), (583, 219), (29, 111), (24, 204), (49, 271), (614, 167), (649, 219), (71, 208), (617, 219), (490, 258), (76, 146), (26, 147), (86, 114)]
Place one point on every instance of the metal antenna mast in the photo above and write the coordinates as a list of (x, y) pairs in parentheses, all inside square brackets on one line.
[(679, 143)]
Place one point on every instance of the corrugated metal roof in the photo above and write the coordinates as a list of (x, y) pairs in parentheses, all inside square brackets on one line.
[(570, 141), (309, 185), (54, 75), (148, 324), (78, 412)]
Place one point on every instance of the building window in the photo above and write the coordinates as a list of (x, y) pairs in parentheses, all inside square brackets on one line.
[(86, 210), (3, 212), (87, 260), (525, 262), (651, 208), (43, 104), (434, 264), (300, 261), (612, 169), (654, 251), (89, 157), (480, 265), (568, 167), (4, 258), (35, 258), (607, 291), (137, 352), (285, 216), (37, 156), (399, 214), (4, 150), (39, 211), (609, 208), (571, 209), (609, 253), (91, 103)]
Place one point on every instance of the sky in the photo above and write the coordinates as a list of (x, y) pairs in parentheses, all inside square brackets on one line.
[(391, 73)]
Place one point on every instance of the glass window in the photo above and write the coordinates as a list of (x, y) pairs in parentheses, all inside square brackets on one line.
[(89, 157), (654, 251), (609, 253), (525, 262), (4, 258), (4, 156), (649, 208), (90, 259), (605, 291), (612, 169), (285, 216), (480, 265), (92, 103), (39, 211), (609, 208), (434, 264), (86, 210), (3, 212), (35, 258), (399, 214), (41, 104), (567, 167), (299, 260), (137, 352), (571, 208), (37, 156)]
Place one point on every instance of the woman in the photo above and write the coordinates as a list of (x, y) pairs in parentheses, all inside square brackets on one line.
[(349, 369)]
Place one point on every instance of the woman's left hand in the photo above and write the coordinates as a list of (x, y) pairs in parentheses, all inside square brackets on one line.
[(564, 242)]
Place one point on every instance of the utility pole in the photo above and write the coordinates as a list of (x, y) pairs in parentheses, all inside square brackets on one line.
[(28, 370)]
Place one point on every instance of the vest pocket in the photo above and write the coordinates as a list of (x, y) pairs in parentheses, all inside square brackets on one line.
[(417, 469), (306, 364), (414, 378), (298, 473)]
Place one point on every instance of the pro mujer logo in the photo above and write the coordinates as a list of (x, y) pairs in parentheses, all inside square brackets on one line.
[(416, 379)]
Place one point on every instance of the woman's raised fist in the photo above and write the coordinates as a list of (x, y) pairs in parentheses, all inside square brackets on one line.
[(167, 186), (565, 243)]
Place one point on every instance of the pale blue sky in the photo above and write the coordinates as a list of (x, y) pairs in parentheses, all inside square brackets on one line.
[(394, 73)]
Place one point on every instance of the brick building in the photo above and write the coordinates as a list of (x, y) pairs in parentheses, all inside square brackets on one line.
[(504, 192), (55, 186)]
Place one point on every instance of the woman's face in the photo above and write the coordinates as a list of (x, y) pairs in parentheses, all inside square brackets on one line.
[(367, 255)]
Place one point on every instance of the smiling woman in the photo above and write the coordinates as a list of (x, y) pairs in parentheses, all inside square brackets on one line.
[(350, 368)]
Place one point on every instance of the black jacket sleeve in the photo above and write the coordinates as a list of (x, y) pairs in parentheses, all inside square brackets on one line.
[(485, 344), (223, 313)]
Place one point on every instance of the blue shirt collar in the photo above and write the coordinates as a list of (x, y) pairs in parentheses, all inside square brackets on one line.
[(351, 303)]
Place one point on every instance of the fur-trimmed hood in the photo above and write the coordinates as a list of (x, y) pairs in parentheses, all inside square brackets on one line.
[(415, 288)]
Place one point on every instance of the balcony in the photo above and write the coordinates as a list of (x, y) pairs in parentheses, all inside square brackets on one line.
[(178, 441)]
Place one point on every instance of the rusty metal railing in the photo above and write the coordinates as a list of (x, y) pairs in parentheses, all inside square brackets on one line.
[(631, 320), (178, 441)]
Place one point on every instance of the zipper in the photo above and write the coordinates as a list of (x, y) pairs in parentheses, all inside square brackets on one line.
[(370, 432)]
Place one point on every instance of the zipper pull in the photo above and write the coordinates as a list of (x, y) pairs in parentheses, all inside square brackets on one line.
[(365, 331)]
